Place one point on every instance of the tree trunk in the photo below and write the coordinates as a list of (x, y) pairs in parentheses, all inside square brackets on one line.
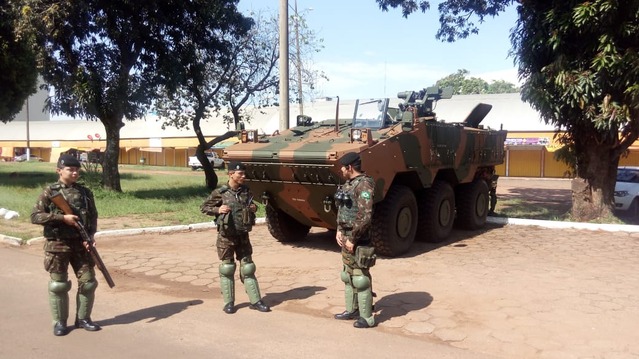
[(593, 188), (110, 172)]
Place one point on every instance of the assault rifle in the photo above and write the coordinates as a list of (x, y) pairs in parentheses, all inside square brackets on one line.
[(59, 200)]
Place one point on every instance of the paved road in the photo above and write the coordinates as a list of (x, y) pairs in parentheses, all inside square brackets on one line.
[(508, 292), (147, 317)]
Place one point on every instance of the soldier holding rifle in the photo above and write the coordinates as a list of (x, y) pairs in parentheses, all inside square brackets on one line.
[(64, 245)]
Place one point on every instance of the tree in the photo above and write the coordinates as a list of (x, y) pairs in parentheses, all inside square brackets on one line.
[(224, 87), (579, 62), (19, 75), (107, 59), (462, 85), (306, 42)]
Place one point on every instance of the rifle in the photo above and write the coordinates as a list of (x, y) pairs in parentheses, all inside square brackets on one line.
[(59, 200)]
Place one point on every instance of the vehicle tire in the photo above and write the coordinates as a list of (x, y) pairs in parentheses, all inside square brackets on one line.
[(436, 212), (193, 168), (395, 222), (472, 205), (283, 227), (633, 209)]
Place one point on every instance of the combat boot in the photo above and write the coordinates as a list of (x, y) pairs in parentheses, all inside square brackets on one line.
[(260, 306), (229, 308), (362, 323), (346, 315), (87, 324), (60, 328)]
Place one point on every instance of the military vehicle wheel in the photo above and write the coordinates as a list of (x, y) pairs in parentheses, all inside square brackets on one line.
[(284, 227), (436, 212), (472, 205), (395, 222)]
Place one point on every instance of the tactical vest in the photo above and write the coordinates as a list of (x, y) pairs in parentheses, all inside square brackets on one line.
[(240, 219), (76, 196), (348, 209)]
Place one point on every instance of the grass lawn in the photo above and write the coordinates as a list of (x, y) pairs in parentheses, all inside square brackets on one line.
[(152, 196)]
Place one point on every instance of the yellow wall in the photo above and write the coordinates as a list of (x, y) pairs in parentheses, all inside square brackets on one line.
[(524, 163)]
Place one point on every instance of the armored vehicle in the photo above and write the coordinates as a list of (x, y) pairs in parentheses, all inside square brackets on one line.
[(429, 174)]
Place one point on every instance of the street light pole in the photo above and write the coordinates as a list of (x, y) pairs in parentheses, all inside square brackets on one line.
[(284, 111)]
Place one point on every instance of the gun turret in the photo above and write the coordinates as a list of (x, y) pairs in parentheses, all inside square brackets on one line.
[(424, 99)]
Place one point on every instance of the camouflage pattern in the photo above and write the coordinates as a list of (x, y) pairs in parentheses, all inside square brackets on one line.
[(64, 247), (356, 209), (233, 238), (406, 150), (47, 214), (240, 219)]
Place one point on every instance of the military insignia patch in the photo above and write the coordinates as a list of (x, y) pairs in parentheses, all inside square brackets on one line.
[(366, 195)]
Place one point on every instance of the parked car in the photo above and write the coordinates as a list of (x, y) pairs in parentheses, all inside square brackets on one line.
[(217, 162), (23, 158), (627, 190)]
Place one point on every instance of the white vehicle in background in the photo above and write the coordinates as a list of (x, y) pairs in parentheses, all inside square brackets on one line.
[(215, 160), (627, 190)]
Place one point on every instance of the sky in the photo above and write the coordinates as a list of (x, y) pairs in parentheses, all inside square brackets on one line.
[(371, 53)]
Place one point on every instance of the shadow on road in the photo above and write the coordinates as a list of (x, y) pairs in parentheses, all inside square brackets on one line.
[(400, 304), (155, 313), (275, 299)]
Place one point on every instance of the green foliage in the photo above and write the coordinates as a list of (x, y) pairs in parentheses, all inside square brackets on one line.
[(455, 16), (580, 66), (462, 85), (107, 59), (92, 175), (18, 75)]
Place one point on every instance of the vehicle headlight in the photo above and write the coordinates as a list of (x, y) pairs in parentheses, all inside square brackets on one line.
[(357, 135), (621, 193)]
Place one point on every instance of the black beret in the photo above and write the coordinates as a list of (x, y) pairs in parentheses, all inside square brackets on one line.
[(68, 161), (350, 158), (236, 166)]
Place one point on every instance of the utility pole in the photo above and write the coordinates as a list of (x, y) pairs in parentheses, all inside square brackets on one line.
[(300, 93), (284, 111)]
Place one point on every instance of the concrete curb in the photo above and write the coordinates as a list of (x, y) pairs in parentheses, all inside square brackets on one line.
[(260, 221), (158, 230), (558, 224)]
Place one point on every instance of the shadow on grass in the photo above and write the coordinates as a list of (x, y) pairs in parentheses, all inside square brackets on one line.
[(182, 193)]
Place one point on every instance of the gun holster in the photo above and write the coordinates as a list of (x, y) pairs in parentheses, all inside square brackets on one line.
[(365, 256)]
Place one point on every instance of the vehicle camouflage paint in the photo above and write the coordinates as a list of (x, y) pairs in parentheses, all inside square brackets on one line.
[(429, 174)]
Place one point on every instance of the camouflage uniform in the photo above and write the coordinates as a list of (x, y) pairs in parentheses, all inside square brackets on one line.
[(354, 222), (64, 246), (233, 239)]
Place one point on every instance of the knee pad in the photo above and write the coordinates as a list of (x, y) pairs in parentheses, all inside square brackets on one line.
[(248, 269), (88, 287), (59, 287), (361, 282), (227, 269), (346, 278)]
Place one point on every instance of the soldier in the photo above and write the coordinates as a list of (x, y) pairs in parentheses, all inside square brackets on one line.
[(234, 211), (64, 246), (355, 201), (493, 193)]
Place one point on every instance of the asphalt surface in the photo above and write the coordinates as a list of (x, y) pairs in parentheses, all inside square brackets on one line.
[(517, 289)]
